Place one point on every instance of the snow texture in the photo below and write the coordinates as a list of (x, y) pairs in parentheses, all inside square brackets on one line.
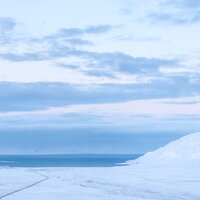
[(170, 173)]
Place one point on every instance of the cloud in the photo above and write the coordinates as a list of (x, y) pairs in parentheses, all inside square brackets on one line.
[(172, 18), (63, 42), (6, 24), (99, 73), (123, 117), (80, 140), (23, 57), (128, 64), (138, 39), (106, 64), (178, 12), (184, 3), (68, 42), (37, 96), (116, 61), (72, 32), (106, 77), (99, 29), (171, 12)]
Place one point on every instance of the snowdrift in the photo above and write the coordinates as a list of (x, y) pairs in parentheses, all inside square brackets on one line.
[(184, 151)]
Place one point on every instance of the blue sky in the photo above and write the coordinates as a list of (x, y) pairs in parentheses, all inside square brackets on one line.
[(98, 74)]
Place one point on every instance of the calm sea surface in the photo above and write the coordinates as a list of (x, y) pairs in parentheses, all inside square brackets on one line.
[(72, 160)]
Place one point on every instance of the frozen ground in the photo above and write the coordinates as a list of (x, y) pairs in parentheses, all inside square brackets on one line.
[(172, 172)]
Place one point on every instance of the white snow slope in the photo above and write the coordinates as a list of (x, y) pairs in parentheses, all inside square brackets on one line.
[(184, 151), (170, 173)]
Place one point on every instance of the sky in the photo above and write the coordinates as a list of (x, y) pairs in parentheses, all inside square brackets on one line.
[(117, 76)]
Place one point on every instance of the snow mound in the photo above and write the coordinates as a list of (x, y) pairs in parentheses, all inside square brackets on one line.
[(184, 151)]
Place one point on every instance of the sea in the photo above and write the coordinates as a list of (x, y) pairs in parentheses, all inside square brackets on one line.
[(69, 160)]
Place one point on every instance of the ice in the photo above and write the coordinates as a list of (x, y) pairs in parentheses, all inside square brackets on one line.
[(169, 173)]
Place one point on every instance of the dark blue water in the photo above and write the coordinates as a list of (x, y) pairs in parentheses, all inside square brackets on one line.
[(72, 160)]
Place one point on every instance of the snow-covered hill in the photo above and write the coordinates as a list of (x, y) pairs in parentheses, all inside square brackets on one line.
[(169, 173), (184, 151)]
